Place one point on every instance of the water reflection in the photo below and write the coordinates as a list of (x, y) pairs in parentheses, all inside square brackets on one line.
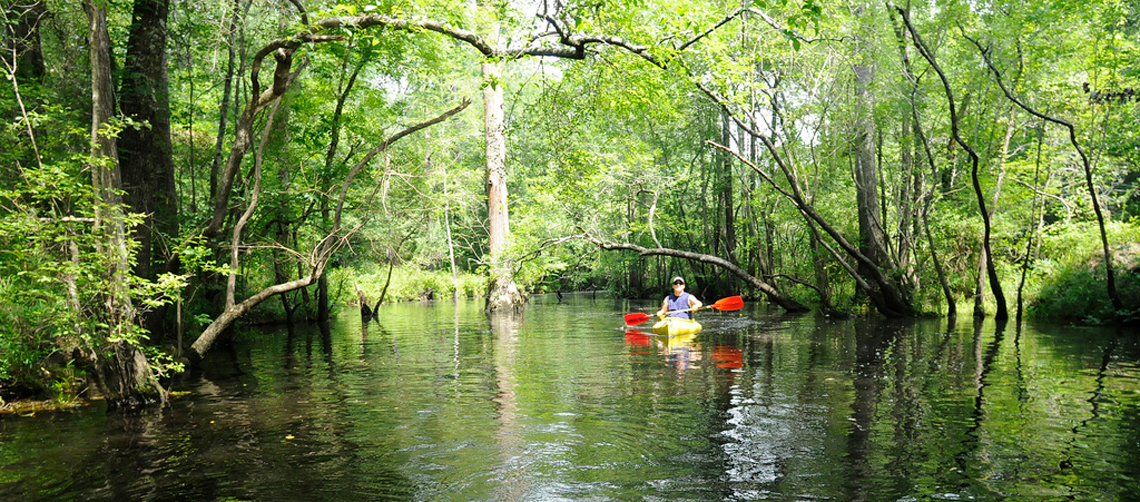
[(728, 357), (511, 482), (923, 419), (637, 339), (441, 402)]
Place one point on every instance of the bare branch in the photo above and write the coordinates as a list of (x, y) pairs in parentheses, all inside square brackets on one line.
[(713, 28), (773, 294), (301, 9), (384, 146)]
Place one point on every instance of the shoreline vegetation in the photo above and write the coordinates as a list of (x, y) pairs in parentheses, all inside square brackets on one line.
[(1074, 298), (29, 407)]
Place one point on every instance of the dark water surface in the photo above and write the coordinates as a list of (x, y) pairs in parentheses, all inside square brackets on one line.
[(438, 402)]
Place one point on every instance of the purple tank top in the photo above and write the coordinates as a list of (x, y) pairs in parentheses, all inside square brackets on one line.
[(679, 303)]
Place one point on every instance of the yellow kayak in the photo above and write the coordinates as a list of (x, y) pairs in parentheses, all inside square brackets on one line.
[(673, 326)]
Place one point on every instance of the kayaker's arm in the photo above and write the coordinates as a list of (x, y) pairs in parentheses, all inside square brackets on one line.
[(694, 303), (664, 307)]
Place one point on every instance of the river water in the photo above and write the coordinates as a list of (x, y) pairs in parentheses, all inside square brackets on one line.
[(437, 402)]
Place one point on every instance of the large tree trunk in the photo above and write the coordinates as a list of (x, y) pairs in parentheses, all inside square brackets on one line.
[(145, 153), (502, 293), (872, 241), (122, 372)]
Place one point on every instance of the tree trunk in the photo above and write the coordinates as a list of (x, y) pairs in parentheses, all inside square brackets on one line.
[(392, 257), (1036, 222), (979, 298), (450, 242), (991, 270), (951, 304), (909, 187), (502, 293), (23, 38), (872, 241), (119, 368), (980, 284), (145, 153), (726, 191), (819, 266), (227, 96), (280, 271)]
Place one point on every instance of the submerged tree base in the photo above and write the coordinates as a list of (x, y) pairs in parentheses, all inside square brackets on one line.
[(503, 294)]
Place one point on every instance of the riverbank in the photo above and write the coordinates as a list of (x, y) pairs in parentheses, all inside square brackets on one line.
[(29, 407)]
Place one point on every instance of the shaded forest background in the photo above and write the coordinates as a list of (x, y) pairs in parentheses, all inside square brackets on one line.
[(172, 167)]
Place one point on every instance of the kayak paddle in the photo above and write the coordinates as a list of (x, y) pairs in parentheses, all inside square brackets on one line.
[(730, 303)]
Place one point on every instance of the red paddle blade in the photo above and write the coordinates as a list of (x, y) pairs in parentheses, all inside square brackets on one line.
[(730, 303), (636, 318)]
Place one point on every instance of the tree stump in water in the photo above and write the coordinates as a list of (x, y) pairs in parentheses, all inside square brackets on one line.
[(366, 313)]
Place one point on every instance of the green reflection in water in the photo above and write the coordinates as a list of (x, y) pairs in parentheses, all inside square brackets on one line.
[(440, 402)]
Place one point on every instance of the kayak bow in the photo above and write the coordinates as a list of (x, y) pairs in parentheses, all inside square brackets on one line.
[(673, 326)]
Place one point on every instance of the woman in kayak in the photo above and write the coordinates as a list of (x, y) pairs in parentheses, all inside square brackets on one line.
[(679, 300)]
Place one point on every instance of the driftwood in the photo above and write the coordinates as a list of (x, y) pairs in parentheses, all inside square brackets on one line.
[(773, 294)]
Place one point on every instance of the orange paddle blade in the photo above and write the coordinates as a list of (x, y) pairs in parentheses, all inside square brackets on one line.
[(636, 318), (730, 303)]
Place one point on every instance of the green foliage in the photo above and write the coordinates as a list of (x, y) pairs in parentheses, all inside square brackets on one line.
[(407, 283), (53, 274), (161, 362), (33, 264), (1074, 290)]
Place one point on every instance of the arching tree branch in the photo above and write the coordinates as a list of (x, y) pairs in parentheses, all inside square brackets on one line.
[(773, 294), (318, 258)]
